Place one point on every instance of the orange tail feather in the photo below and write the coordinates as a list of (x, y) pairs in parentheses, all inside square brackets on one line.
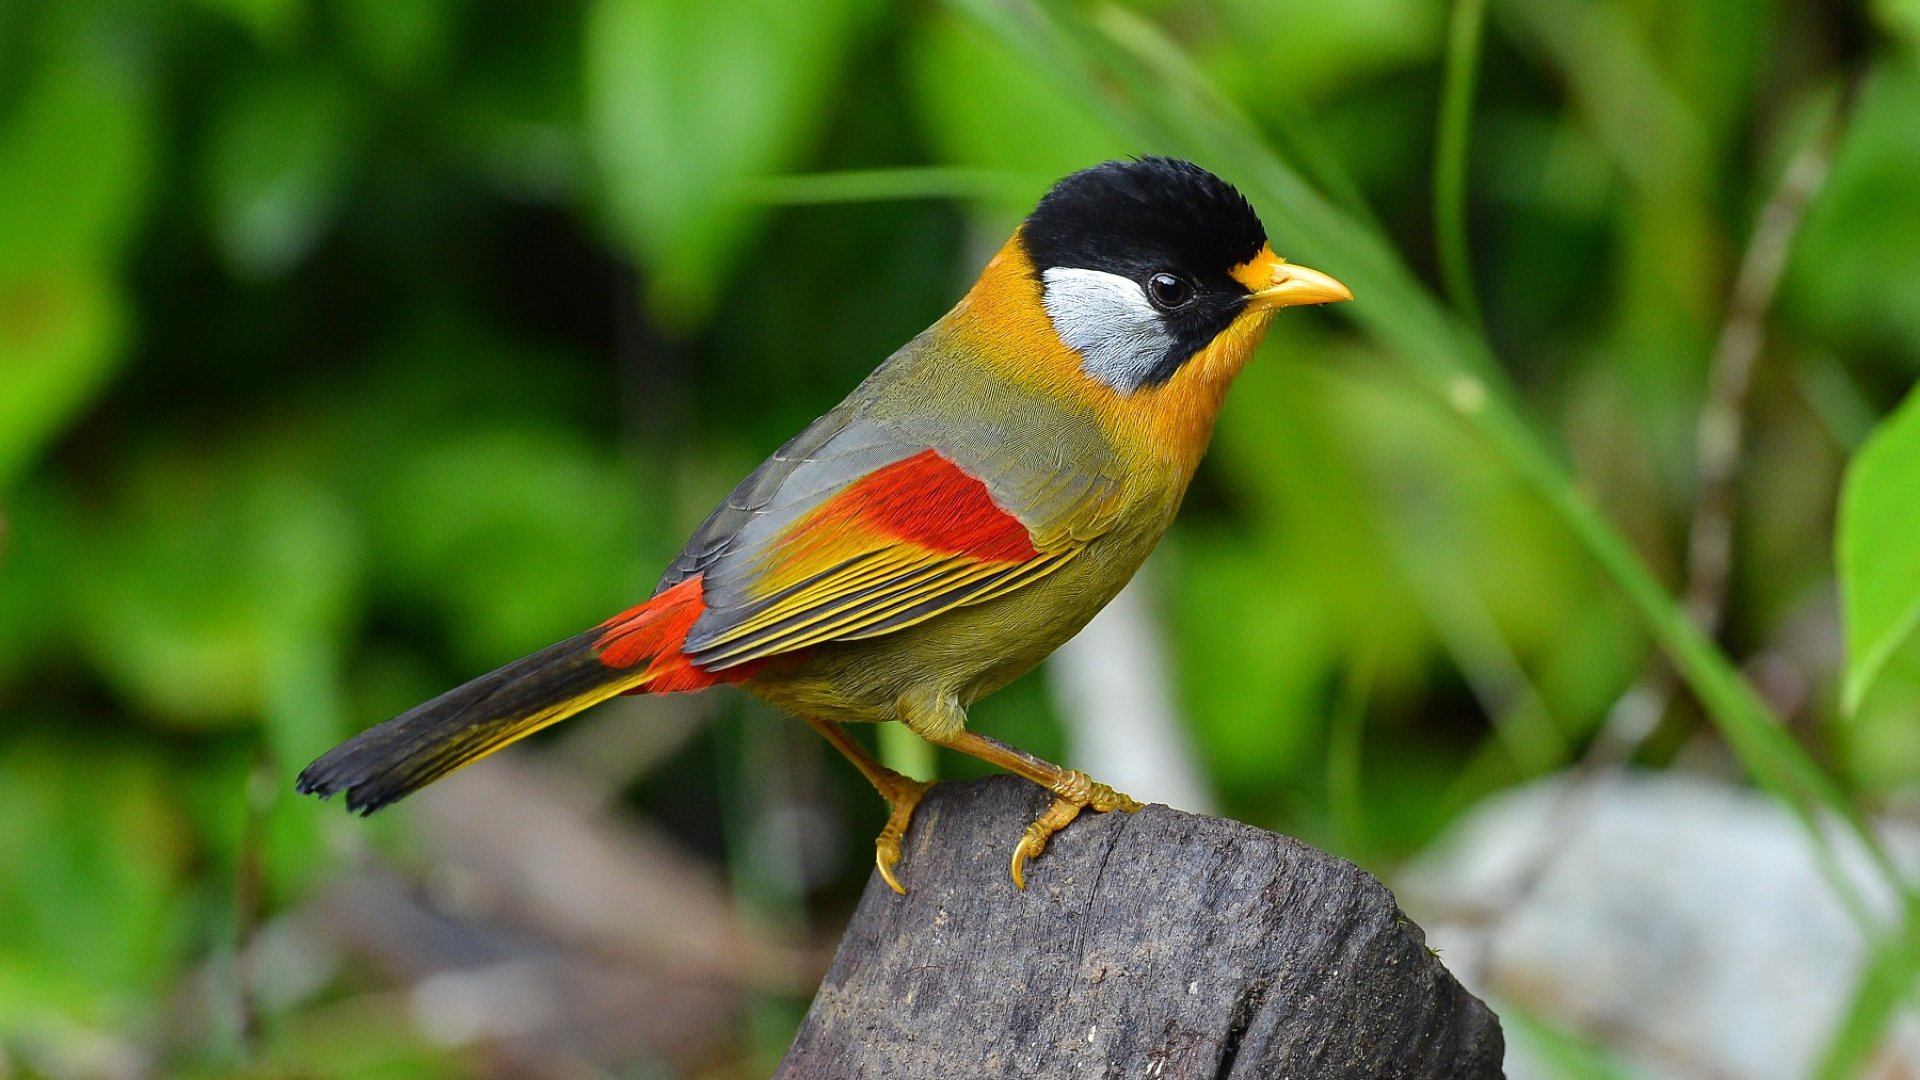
[(652, 634)]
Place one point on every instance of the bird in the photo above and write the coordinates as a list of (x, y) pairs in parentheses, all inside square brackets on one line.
[(963, 513)]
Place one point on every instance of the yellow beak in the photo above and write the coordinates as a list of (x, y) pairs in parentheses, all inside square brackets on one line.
[(1277, 283)]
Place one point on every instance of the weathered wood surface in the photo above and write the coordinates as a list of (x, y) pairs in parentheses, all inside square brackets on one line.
[(1153, 945)]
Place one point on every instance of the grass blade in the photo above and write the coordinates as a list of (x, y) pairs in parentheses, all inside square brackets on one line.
[(884, 185), (1455, 132)]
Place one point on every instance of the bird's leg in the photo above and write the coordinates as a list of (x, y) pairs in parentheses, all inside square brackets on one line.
[(1072, 789), (902, 793), (940, 719)]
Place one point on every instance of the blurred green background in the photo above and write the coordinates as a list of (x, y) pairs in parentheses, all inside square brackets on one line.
[(351, 348)]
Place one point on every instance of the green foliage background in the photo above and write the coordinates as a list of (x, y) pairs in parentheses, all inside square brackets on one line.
[(350, 348)]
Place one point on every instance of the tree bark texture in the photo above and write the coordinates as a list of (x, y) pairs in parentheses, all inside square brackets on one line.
[(1158, 945)]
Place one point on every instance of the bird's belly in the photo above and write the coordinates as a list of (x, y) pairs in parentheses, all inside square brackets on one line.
[(967, 652)]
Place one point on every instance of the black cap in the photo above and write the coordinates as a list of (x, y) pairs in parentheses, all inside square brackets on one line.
[(1137, 217)]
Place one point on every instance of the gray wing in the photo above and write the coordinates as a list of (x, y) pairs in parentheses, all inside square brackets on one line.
[(1032, 460), (829, 454)]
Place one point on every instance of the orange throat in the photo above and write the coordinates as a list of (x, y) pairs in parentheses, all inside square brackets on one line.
[(1005, 322)]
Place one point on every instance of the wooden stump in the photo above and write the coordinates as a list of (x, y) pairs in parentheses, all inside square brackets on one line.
[(1156, 945)]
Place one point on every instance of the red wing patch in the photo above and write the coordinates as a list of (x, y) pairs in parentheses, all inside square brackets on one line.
[(924, 500), (893, 548)]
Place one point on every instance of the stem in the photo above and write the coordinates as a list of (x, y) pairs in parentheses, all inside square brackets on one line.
[(1720, 437)]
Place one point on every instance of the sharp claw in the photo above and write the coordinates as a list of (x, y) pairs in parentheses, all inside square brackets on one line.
[(886, 847), (885, 863), (1082, 793), (1019, 867), (1034, 841)]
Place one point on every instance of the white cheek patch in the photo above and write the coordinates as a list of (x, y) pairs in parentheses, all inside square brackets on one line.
[(1109, 321)]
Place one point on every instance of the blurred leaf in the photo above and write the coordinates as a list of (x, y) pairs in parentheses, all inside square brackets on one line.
[(60, 340), (75, 154), (686, 99), (36, 525), (1880, 739), (1668, 239), (94, 900), (199, 580), (1269, 616), (1877, 555), (1710, 52), (1274, 57), (518, 537), (1901, 18), (515, 108), (75, 157), (273, 23), (403, 43), (1254, 661), (276, 164), (985, 108), (1853, 276)]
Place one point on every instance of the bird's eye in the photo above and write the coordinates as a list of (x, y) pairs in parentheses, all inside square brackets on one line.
[(1168, 291)]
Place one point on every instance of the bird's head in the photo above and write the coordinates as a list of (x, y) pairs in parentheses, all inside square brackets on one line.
[(1135, 291), (1144, 265)]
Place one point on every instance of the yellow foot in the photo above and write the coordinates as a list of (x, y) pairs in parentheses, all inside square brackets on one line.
[(1077, 791), (903, 794)]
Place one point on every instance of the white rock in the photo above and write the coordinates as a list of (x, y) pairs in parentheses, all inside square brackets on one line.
[(1681, 923)]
